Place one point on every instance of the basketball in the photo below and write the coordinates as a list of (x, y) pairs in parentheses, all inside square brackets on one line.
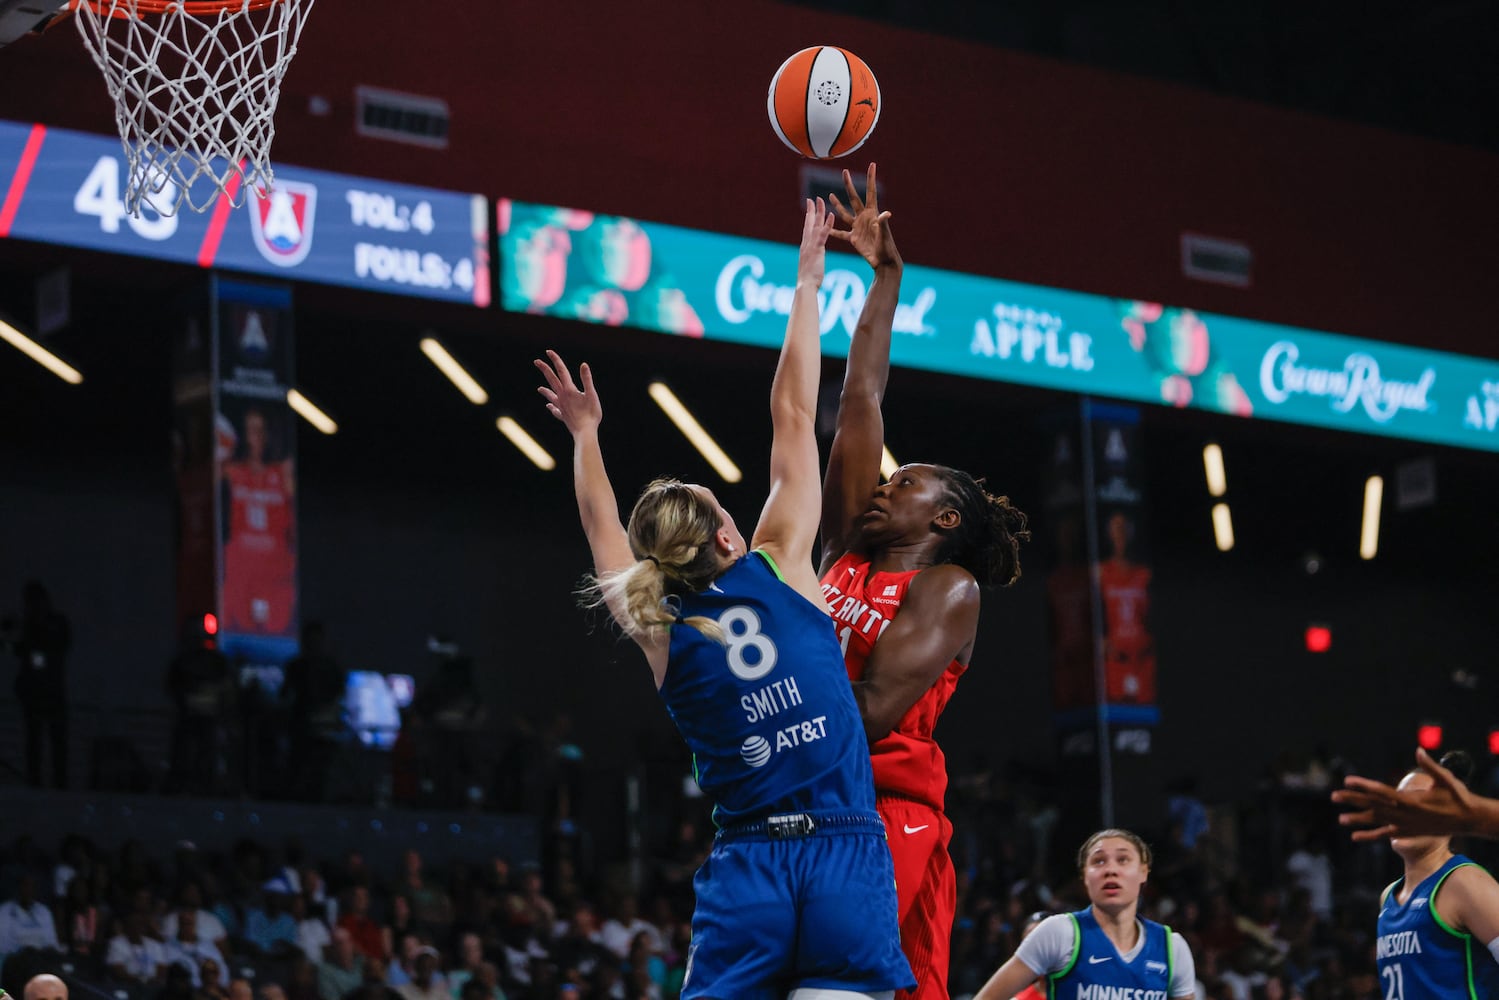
[(823, 102)]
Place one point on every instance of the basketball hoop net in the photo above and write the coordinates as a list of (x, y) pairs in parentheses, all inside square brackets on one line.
[(195, 85)]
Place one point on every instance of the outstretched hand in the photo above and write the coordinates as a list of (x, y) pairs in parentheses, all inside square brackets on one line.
[(868, 228), (1444, 809), (578, 409), (817, 225)]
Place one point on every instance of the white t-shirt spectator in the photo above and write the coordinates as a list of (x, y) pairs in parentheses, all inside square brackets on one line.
[(23, 927), (139, 960), (312, 938), (1313, 872), (210, 927), (617, 936)]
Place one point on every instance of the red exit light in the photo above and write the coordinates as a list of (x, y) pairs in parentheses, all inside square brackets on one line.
[(1429, 737), (1318, 638), (210, 625)]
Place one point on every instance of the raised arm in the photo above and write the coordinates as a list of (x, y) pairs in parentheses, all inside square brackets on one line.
[(1448, 808), (581, 412), (936, 625), (787, 527), (854, 462)]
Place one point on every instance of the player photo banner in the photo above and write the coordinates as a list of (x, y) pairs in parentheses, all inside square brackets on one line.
[(256, 462), (1098, 582), (1121, 570), (618, 271)]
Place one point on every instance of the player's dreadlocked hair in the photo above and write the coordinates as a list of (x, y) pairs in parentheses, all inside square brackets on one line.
[(987, 540)]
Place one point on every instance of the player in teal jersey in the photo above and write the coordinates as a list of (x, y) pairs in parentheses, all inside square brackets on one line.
[(1106, 950), (1439, 922), (798, 894)]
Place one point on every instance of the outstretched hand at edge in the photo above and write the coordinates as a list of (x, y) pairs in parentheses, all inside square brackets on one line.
[(578, 409), (868, 229)]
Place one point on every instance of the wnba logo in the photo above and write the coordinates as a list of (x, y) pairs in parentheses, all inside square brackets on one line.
[(755, 751)]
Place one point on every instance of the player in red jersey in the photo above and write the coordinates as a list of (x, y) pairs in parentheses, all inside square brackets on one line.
[(921, 545), (260, 547)]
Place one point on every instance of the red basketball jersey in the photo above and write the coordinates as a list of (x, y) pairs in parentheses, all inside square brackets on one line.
[(908, 761), (260, 514)]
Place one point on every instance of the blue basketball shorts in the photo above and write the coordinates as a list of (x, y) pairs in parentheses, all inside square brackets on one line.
[(778, 912)]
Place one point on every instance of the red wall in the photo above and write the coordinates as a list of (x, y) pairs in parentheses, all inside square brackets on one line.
[(996, 162)]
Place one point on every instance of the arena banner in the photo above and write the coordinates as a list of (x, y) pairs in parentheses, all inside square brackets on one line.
[(618, 271), (64, 187), (255, 438), (1098, 584)]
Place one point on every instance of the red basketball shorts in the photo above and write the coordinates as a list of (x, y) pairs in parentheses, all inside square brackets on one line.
[(927, 889)]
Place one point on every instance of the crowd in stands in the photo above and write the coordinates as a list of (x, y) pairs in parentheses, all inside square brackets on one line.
[(1274, 901)]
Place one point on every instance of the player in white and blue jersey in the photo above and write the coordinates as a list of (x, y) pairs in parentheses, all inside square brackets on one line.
[(1104, 952), (1439, 922), (798, 894)]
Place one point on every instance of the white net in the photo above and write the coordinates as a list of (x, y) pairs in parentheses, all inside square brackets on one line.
[(195, 86)]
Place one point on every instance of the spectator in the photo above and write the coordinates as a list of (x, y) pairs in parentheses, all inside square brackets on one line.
[(620, 930), (271, 930), (239, 989), (485, 985), (312, 933), (405, 949), (190, 950), (1311, 869), (314, 692), (80, 917), (209, 926), (25, 922), (580, 946), (177, 983), (134, 956), (647, 969), (431, 908), (542, 912), (368, 938), (75, 860), (401, 925), (40, 643), (302, 984), (470, 957), (213, 978), (342, 969), (426, 983), (202, 691)]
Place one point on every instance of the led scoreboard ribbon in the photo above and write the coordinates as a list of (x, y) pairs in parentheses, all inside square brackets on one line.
[(620, 271), (63, 187)]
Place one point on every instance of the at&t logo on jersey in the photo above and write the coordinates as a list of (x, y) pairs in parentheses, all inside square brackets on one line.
[(756, 751), (281, 222)]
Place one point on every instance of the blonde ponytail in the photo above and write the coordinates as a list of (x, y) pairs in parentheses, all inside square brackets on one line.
[(671, 532)]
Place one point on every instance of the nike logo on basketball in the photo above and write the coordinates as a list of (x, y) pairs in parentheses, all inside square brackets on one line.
[(915, 829), (1095, 959)]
